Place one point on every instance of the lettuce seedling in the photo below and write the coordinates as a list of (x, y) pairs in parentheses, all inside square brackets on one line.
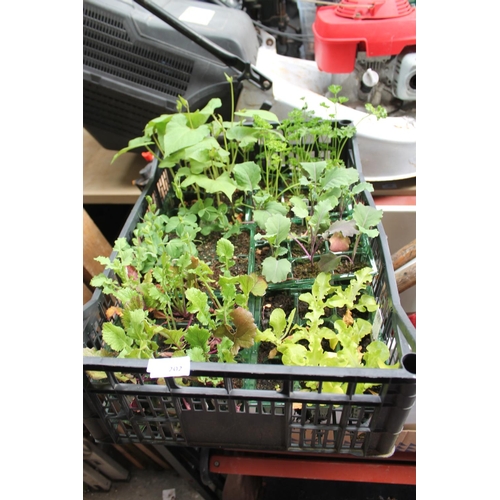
[(304, 344)]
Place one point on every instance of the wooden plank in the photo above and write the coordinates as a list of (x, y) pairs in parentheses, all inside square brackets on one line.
[(153, 456), (129, 456), (94, 478), (94, 245), (100, 460)]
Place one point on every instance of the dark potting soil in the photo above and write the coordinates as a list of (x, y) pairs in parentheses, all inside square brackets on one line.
[(306, 270), (207, 252)]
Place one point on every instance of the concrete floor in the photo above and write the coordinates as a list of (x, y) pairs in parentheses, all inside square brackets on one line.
[(147, 484)]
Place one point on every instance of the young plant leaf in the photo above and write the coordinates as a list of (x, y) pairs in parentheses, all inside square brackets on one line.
[(197, 337), (346, 227), (243, 335), (172, 337), (246, 328), (339, 177), (252, 284), (262, 113), (293, 354), (299, 207), (198, 304), (278, 227), (377, 353), (116, 337), (270, 208), (197, 354), (328, 262), (247, 176), (224, 351), (314, 170), (179, 135), (276, 270), (223, 183), (366, 217)]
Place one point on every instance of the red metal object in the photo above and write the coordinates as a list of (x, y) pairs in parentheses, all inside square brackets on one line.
[(364, 471), (396, 200), (378, 27)]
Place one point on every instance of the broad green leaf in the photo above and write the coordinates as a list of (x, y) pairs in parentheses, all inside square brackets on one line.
[(351, 356), (320, 219), (262, 215), (299, 207), (267, 336), (366, 217), (315, 354), (223, 183), (243, 134), (178, 135), (201, 116), (279, 226), (228, 290), (247, 175), (321, 286), (252, 284), (130, 298), (262, 113), (362, 277), (366, 303), (101, 281), (133, 144), (314, 170), (276, 270), (362, 186), (351, 336), (346, 227), (339, 177), (131, 352), (200, 152), (333, 387)]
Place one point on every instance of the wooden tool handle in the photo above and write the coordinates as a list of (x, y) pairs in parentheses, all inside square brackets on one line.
[(407, 277), (404, 255)]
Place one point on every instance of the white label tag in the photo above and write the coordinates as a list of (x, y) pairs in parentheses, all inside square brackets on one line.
[(197, 16), (169, 367), (377, 323)]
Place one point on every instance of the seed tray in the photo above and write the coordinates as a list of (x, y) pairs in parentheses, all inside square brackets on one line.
[(257, 406)]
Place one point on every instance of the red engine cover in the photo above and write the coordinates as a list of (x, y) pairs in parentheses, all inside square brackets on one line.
[(380, 28)]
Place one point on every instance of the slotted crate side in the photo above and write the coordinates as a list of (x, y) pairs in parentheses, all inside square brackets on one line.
[(364, 425)]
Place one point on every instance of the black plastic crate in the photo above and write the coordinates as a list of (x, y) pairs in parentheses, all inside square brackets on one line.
[(238, 416)]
